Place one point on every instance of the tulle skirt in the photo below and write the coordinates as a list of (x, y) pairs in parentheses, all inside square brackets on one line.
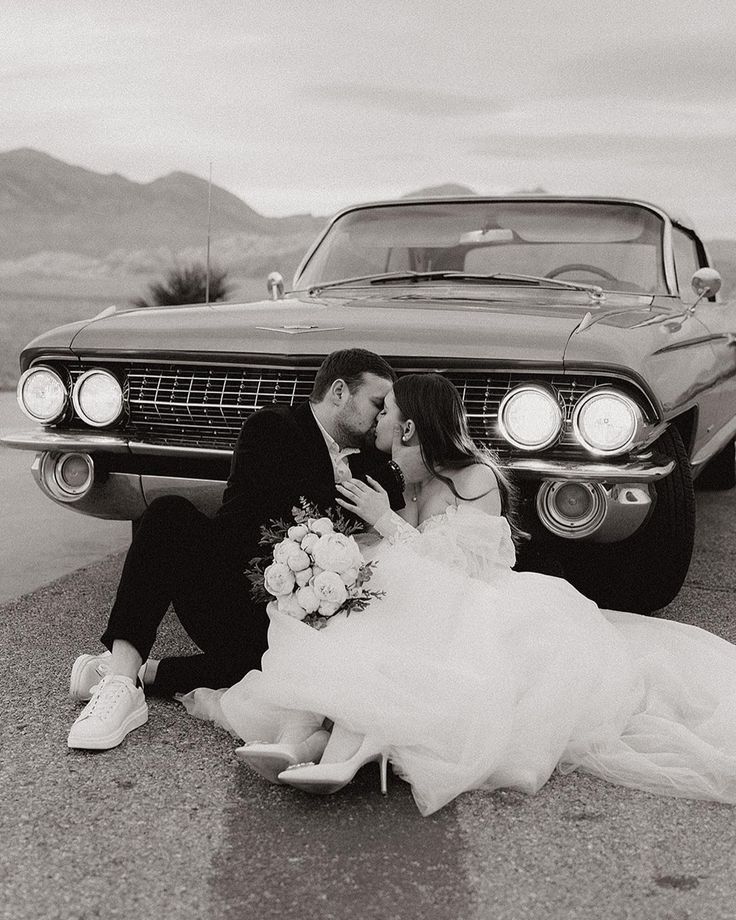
[(473, 685)]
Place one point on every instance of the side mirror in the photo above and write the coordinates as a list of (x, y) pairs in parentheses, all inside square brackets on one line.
[(275, 285), (706, 282)]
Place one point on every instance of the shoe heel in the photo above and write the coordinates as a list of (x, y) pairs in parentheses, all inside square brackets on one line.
[(384, 773)]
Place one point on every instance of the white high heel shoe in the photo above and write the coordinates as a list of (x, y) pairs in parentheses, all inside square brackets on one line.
[(269, 760), (326, 778)]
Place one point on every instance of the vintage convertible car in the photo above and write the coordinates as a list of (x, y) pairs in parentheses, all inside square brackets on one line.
[(586, 336)]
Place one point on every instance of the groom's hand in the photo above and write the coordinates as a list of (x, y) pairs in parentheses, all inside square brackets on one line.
[(408, 457)]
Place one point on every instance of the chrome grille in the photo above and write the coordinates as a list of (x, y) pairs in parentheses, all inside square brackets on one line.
[(202, 407), (197, 406)]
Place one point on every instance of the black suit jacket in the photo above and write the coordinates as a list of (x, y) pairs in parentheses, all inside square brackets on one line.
[(280, 456)]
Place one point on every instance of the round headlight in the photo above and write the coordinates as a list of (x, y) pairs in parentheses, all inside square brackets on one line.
[(42, 395), (606, 421), (530, 417), (98, 398)]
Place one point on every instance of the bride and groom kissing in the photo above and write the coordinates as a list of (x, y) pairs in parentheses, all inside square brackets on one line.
[(466, 674)]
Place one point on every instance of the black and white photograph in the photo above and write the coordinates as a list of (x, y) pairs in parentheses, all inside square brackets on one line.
[(367, 460)]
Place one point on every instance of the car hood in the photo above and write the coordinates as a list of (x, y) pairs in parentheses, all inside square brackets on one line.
[(515, 326)]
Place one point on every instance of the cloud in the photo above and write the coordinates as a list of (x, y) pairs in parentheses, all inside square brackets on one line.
[(13, 75), (714, 152), (407, 100), (683, 68)]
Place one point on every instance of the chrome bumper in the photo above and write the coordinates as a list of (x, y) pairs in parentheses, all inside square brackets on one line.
[(625, 489), (641, 470), (125, 496)]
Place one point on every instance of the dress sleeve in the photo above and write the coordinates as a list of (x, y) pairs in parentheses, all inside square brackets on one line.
[(477, 543), (395, 529)]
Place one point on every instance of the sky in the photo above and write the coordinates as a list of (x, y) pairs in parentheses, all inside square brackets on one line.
[(311, 106)]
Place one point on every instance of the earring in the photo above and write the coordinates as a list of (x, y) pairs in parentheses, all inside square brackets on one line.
[(403, 438)]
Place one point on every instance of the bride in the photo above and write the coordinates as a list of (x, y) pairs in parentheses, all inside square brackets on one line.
[(468, 675)]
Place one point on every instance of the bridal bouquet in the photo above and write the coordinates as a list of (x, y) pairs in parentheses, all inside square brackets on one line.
[(314, 569)]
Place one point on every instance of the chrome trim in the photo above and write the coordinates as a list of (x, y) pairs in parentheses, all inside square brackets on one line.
[(204, 407), (53, 482), (571, 528), (670, 276), (65, 441), (630, 403), (634, 471), (174, 450), (19, 389), (624, 508), (118, 498), (555, 398), (79, 409), (715, 445)]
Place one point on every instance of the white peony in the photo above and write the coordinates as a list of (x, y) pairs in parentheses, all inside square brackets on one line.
[(336, 552), (278, 579), (321, 526), (309, 542), (303, 577), (329, 587), (298, 561), (297, 533), (308, 599), (284, 549)]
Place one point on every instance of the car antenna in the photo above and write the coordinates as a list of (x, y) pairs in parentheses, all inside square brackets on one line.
[(209, 231)]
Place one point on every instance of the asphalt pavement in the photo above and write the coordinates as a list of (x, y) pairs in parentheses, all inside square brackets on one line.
[(40, 541), (170, 825)]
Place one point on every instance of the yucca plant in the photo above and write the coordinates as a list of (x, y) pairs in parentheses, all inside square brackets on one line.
[(186, 284)]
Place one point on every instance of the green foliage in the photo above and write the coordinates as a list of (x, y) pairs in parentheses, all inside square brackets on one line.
[(187, 284), (340, 521)]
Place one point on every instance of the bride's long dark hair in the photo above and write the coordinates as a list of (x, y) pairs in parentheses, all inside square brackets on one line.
[(435, 406)]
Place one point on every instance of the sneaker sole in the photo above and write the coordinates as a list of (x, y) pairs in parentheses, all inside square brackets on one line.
[(137, 718)]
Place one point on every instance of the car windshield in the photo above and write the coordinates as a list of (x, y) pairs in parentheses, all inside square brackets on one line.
[(616, 246)]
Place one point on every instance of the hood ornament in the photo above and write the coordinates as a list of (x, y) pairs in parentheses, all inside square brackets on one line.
[(297, 328)]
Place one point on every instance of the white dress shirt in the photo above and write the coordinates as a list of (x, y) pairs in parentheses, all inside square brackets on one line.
[(337, 455)]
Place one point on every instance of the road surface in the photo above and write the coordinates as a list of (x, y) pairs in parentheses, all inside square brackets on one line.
[(171, 825), (39, 541)]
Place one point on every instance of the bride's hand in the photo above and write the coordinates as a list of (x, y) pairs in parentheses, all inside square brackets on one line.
[(369, 501)]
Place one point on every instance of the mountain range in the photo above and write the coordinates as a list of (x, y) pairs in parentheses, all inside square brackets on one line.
[(62, 221), (46, 204)]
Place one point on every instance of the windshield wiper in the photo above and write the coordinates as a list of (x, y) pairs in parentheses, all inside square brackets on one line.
[(493, 278), (372, 279)]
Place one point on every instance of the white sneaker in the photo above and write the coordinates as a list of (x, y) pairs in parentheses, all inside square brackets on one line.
[(88, 671), (117, 707)]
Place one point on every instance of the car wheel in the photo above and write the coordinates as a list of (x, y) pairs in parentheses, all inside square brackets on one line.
[(643, 573), (720, 473)]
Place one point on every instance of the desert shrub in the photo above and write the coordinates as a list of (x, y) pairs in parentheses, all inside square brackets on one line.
[(186, 284)]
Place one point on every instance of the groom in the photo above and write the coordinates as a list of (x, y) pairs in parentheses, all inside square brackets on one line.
[(182, 557)]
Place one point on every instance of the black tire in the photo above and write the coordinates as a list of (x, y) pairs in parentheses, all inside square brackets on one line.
[(720, 473), (643, 573)]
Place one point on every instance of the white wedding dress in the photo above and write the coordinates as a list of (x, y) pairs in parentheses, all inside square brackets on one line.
[(471, 675)]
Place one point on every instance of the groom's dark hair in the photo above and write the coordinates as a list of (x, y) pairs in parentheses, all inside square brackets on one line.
[(349, 365)]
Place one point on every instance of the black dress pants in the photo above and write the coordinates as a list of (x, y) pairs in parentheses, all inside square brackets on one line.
[(176, 557)]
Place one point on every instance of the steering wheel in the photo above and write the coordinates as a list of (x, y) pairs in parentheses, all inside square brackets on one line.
[(580, 267)]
